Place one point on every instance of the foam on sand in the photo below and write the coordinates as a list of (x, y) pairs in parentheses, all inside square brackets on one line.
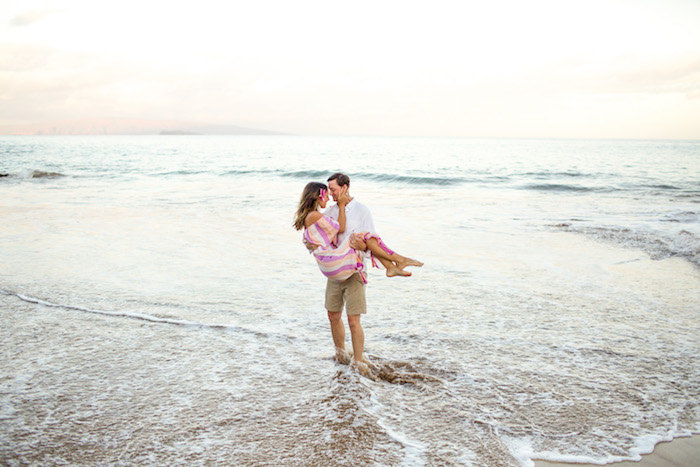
[(677, 452)]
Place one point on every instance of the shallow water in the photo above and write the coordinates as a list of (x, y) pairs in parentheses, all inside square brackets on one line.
[(157, 306)]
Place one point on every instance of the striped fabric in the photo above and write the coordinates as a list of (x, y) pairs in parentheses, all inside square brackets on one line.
[(337, 263)]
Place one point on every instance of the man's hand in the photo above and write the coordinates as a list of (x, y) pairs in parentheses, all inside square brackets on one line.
[(357, 243)]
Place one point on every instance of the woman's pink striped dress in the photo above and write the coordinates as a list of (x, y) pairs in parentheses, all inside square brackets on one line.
[(338, 263)]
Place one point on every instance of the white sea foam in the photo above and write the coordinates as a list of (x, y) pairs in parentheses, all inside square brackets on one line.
[(659, 245)]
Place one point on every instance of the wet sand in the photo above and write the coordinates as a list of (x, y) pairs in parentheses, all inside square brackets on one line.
[(681, 452)]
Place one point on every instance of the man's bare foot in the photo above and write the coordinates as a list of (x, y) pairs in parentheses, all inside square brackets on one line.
[(371, 365), (395, 271), (404, 262), (342, 356), (363, 369)]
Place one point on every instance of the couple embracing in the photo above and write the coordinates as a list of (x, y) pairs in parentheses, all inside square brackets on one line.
[(341, 239)]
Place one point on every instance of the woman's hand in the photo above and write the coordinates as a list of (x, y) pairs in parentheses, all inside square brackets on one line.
[(357, 243), (343, 197)]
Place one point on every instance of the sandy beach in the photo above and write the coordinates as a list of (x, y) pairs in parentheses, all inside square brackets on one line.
[(683, 452)]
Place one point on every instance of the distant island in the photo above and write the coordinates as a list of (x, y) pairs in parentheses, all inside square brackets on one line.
[(123, 126), (178, 133)]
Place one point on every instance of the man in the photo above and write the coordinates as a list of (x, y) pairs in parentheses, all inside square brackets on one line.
[(350, 292)]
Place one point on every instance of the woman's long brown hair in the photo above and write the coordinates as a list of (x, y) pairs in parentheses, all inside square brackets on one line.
[(308, 202)]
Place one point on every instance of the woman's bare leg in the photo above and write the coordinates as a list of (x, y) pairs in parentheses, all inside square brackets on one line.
[(387, 264), (394, 263), (391, 268)]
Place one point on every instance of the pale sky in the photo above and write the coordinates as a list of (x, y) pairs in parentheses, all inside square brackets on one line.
[(498, 68)]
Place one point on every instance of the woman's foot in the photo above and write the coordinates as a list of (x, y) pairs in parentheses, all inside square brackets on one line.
[(404, 262), (396, 271)]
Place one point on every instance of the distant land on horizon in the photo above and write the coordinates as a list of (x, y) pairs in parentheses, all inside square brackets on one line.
[(125, 126)]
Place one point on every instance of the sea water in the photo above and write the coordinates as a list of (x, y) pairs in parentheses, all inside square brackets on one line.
[(157, 306)]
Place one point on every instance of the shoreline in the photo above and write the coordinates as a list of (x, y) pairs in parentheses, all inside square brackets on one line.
[(682, 451)]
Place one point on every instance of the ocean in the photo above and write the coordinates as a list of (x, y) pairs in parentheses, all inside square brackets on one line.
[(158, 307)]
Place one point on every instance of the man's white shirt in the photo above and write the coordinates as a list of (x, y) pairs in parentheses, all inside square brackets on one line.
[(358, 218)]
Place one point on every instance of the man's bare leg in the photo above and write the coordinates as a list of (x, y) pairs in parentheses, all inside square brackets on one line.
[(359, 361), (357, 335), (338, 333)]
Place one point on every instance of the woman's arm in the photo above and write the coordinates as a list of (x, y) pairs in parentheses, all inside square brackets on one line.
[(341, 218), (343, 199), (312, 217)]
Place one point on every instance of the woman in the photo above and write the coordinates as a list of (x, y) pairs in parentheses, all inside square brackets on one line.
[(341, 262)]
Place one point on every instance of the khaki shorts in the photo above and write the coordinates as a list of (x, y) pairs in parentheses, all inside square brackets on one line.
[(350, 292)]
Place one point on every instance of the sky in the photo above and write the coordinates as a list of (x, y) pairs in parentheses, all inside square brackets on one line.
[(499, 68)]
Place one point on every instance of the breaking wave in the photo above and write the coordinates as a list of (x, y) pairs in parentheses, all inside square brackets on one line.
[(560, 187), (683, 244), (377, 177), (546, 182), (29, 173), (141, 316)]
